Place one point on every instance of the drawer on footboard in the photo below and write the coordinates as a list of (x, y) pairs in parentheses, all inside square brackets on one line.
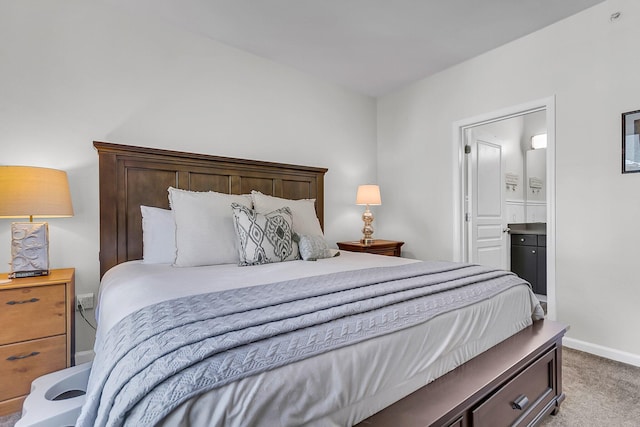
[(521, 399)]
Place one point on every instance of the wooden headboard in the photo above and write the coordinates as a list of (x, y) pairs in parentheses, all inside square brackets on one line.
[(133, 176)]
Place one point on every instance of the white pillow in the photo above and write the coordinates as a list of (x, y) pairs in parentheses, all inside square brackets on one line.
[(158, 236), (204, 227), (305, 220)]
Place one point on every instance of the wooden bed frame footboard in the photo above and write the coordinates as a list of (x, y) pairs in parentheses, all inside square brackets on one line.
[(517, 382)]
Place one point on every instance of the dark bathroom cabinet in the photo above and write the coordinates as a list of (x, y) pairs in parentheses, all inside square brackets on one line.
[(529, 260)]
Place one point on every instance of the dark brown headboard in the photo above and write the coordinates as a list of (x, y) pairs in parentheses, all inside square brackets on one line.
[(133, 176)]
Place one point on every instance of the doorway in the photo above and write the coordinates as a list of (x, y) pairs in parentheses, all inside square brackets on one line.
[(480, 230)]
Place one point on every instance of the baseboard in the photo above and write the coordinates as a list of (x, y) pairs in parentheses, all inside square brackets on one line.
[(599, 350), (84, 356)]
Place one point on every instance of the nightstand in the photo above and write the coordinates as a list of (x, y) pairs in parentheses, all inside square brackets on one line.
[(379, 246), (36, 332)]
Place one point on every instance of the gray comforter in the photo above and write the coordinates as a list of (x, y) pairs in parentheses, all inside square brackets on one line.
[(164, 354)]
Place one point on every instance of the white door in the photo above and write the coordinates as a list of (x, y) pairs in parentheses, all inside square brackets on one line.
[(486, 196)]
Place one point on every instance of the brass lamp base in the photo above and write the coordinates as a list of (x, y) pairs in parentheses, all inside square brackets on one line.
[(367, 230)]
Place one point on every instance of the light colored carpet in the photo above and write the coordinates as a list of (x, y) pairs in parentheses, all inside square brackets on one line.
[(9, 420), (600, 392)]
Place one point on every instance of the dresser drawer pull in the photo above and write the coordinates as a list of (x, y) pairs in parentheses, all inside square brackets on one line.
[(23, 302), (520, 403), (33, 353)]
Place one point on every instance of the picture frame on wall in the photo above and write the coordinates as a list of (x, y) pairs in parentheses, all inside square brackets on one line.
[(631, 142)]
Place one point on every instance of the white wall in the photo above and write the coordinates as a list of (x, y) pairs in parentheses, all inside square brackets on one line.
[(591, 66), (536, 161), (536, 168), (74, 71), (508, 134)]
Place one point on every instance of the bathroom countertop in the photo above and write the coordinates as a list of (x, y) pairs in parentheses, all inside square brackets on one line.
[(538, 228)]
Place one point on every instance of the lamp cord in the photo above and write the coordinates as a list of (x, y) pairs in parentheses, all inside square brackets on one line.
[(81, 310)]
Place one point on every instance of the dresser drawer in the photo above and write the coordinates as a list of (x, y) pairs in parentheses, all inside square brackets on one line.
[(517, 402), (32, 312), (23, 362), (524, 239)]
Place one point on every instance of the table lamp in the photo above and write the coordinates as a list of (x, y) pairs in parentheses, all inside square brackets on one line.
[(32, 192), (368, 195)]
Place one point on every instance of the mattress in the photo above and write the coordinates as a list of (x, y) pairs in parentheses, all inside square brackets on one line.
[(129, 286), (340, 387)]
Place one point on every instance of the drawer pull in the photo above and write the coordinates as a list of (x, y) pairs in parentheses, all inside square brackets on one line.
[(520, 403), (23, 302), (33, 353)]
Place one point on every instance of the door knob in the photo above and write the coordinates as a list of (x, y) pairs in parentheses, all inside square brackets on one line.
[(506, 230)]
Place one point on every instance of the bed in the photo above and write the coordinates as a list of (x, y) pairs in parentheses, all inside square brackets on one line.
[(484, 362)]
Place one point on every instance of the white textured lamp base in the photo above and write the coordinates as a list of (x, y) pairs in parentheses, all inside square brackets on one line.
[(29, 249)]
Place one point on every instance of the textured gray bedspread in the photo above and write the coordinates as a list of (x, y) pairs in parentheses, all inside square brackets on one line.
[(164, 354)]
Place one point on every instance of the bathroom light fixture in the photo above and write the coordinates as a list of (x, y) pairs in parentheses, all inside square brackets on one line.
[(539, 141)]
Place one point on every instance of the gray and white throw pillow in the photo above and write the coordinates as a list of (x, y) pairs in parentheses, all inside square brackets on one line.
[(312, 248), (264, 238)]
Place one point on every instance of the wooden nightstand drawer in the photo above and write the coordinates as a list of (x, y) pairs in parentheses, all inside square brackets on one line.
[(517, 402), (378, 247), (32, 312), (22, 363), (383, 251)]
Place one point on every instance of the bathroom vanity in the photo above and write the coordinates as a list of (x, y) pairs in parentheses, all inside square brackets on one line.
[(529, 254)]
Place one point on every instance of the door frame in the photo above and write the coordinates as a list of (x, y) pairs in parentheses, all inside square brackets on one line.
[(460, 244)]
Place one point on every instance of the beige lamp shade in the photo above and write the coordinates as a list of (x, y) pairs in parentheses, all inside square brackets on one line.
[(32, 192), (368, 195)]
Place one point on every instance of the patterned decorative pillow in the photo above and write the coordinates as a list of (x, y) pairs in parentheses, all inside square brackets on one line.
[(312, 248), (264, 238)]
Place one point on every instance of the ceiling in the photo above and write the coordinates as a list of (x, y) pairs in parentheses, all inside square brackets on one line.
[(370, 46)]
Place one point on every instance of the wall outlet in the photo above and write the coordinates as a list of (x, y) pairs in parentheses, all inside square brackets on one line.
[(85, 300)]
